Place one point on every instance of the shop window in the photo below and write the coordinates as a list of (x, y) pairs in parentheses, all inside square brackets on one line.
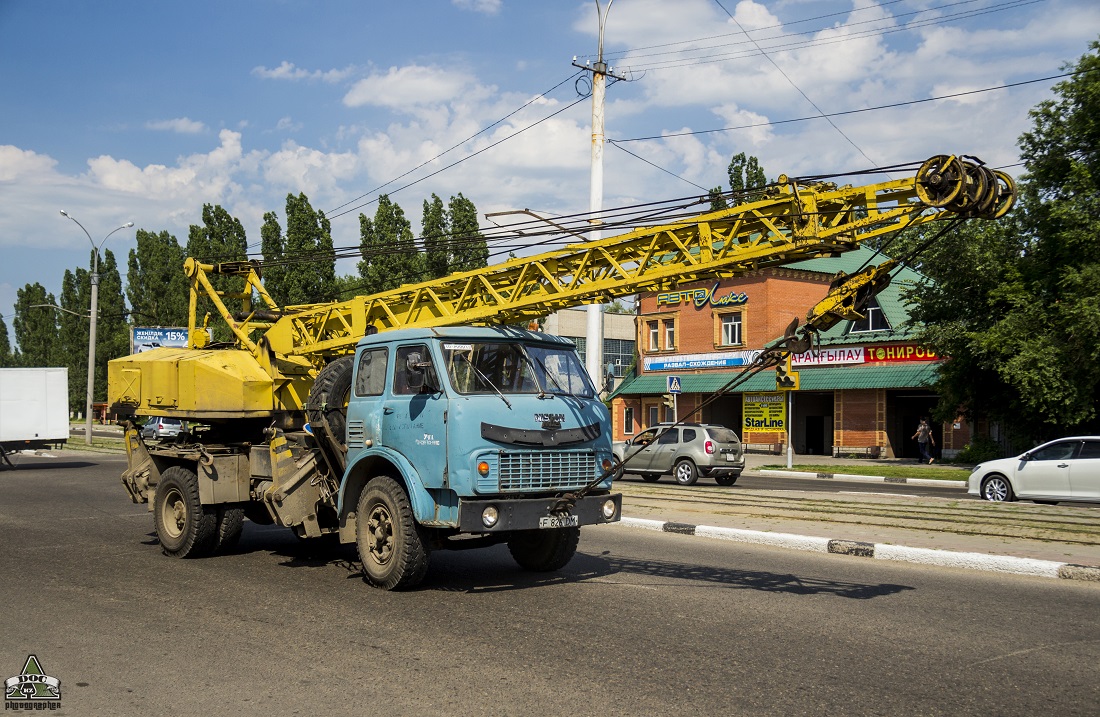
[(874, 321), (653, 336), (670, 333), (654, 419), (628, 420), (669, 415), (731, 329)]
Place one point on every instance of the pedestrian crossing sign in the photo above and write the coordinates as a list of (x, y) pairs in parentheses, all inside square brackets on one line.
[(673, 384)]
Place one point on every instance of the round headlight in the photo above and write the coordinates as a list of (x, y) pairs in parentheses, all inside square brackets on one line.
[(490, 516), (483, 468), (609, 509)]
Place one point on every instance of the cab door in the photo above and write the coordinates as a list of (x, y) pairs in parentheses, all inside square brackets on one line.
[(414, 414)]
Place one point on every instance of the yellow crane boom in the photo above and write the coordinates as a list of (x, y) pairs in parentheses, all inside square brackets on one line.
[(279, 350)]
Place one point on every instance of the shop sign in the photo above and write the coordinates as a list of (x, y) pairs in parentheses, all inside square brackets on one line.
[(905, 352), (709, 360), (829, 357), (764, 411), (701, 297)]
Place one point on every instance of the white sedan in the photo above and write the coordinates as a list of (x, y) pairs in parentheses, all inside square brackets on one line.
[(1065, 469)]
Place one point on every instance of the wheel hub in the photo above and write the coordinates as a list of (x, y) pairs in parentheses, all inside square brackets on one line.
[(380, 541)]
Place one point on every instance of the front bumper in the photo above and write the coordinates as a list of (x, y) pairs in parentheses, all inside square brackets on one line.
[(524, 513)]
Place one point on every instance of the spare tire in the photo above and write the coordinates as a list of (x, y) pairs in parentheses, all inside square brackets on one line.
[(328, 399)]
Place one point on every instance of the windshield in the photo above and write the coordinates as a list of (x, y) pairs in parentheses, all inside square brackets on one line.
[(506, 367)]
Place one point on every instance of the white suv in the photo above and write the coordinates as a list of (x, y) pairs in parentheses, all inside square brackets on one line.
[(686, 451)]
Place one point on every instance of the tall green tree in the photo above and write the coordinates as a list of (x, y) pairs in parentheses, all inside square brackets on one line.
[(156, 287), (35, 327), (390, 256), (1016, 304), (7, 358), (434, 231), (744, 173), (311, 278), (271, 246), (468, 250)]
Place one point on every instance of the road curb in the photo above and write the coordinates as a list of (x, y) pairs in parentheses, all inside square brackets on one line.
[(880, 551), (855, 478)]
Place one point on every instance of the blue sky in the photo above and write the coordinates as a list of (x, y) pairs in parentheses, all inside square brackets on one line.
[(144, 111)]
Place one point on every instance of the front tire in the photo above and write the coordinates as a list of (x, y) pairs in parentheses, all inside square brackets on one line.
[(544, 550), (997, 488), (391, 545), (185, 528), (685, 472)]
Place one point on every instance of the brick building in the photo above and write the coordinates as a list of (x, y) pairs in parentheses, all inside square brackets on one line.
[(862, 391)]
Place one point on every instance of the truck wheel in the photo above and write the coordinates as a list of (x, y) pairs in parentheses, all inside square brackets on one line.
[(728, 479), (544, 550), (230, 525), (685, 472), (328, 398), (185, 527), (391, 545)]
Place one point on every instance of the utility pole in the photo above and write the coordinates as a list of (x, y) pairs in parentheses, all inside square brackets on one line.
[(600, 71)]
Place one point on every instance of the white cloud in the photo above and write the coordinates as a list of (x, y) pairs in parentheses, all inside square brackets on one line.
[(487, 7), (286, 124), (411, 87), (289, 71), (23, 164), (180, 125)]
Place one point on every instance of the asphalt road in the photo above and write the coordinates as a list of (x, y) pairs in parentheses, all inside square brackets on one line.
[(639, 623)]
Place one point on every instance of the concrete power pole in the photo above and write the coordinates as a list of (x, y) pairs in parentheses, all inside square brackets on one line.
[(599, 70)]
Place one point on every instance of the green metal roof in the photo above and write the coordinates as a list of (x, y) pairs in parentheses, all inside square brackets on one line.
[(829, 378)]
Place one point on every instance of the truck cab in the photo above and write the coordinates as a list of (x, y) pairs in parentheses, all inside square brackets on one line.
[(490, 432)]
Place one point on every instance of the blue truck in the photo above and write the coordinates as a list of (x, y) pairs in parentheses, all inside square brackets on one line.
[(423, 439)]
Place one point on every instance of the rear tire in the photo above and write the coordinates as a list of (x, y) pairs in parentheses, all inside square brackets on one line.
[(544, 550), (997, 488), (185, 527), (728, 479), (230, 525), (685, 472), (392, 547)]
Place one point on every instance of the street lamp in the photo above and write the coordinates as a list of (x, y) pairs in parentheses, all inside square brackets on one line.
[(91, 331)]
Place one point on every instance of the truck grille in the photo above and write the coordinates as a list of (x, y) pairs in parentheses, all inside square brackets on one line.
[(537, 471)]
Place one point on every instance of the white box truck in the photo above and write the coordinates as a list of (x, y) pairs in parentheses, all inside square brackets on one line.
[(34, 408)]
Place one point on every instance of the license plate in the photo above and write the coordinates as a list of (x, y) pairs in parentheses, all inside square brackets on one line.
[(559, 521), (730, 457)]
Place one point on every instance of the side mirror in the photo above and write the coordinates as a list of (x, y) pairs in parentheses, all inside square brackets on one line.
[(416, 373)]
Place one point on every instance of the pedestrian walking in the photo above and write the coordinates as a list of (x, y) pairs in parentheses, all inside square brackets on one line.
[(925, 440)]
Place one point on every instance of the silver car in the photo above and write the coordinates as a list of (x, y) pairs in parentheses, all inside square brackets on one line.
[(687, 451), (1065, 469), (161, 427)]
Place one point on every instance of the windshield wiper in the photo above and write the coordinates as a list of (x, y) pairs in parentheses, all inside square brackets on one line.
[(550, 376), (534, 371), (486, 379)]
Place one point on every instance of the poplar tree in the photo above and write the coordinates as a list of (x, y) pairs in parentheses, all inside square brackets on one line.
[(156, 287), (468, 249), (7, 359), (35, 326), (220, 238), (390, 256), (273, 274), (311, 277), (744, 173), (434, 230)]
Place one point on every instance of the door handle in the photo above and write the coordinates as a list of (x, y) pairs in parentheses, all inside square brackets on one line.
[(387, 410), (1063, 465)]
